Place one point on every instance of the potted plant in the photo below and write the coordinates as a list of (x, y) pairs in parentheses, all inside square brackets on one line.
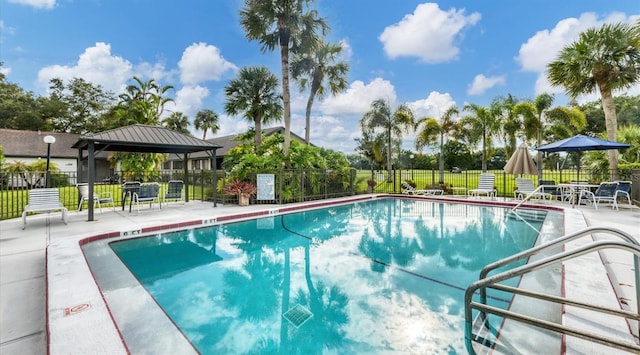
[(243, 189)]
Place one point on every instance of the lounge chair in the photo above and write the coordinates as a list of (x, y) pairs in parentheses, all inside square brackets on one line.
[(526, 189), (98, 199), (175, 191), (485, 186), (606, 192), (410, 190), (43, 200), (623, 190)]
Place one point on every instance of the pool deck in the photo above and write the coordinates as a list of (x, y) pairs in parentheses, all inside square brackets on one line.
[(62, 292)]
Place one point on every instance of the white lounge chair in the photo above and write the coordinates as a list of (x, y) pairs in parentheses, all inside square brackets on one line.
[(410, 190), (485, 186), (43, 200), (526, 188)]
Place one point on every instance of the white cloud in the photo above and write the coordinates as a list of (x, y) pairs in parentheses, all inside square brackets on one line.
[(188, 100), (429, 33), (482, 83), (201, 62), (358, 97), (5, 70), (543, 47), (433, 106), (38, 4), (96, 65)]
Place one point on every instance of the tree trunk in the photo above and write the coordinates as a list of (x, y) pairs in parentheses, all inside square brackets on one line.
[(286, 96), (611, 123)]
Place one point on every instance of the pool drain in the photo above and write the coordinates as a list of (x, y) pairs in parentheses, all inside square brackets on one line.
[(298, 315)]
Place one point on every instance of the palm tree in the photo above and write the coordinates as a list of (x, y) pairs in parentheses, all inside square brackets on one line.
[(511, 123), (433, 130), (603, 59), (254, 93), (480, 125), (393, 124), (206, 120), (282, 23), (533, 123), (143, 102), (178, 122), (310, 70)]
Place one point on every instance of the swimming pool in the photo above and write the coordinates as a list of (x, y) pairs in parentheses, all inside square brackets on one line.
[(380, 276)]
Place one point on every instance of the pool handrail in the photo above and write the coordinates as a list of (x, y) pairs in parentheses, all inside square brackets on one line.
[(556, 258), (630, 244)]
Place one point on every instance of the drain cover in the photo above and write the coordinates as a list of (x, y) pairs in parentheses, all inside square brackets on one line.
[(297, 315)]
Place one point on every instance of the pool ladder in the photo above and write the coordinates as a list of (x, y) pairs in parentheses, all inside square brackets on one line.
[(628, 244)]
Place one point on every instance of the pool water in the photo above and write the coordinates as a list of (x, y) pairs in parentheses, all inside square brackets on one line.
[(382, 276)]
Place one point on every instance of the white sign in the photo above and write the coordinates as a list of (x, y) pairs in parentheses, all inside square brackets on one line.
[(266, 187)]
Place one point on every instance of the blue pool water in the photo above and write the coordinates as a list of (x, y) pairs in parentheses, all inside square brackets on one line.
[(382, 276)]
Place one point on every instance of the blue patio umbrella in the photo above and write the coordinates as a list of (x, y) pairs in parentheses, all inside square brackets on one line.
[(581, 143)]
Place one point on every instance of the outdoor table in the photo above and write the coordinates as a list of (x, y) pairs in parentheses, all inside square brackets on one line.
[(571, 192), (459, 190)]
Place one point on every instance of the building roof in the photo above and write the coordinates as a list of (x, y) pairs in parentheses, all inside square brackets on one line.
[(144, 138), (227, 143), (16, 143)]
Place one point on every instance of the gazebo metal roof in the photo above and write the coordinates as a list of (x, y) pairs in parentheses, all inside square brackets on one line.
[(140, 138), (143, 138)]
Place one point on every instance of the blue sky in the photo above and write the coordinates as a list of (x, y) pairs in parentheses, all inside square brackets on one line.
[(429, 55)]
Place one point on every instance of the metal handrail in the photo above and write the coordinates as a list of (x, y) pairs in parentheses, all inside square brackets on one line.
[(491, 282), (531, 194)]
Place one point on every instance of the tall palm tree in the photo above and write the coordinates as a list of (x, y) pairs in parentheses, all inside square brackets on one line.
[(533, 114), (253, 93), (206, 120), (603, 59), (311, 69), (434, 130), (481, 125), (178, 122), (282, 23), (393, 124), (511, 123)]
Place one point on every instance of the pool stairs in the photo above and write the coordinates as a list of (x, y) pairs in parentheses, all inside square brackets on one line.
[(483, 336)]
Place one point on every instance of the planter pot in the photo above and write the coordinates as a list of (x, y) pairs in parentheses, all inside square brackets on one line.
[(243, 200)]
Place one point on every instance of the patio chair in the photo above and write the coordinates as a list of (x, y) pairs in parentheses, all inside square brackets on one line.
[(410, 190), (147, 193), (175, 191), (550, 187), (485, 186), (98, 199), (606, 192), (525, 188), (623, 190)]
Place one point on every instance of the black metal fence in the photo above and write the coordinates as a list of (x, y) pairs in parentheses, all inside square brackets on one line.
[(282, 186)]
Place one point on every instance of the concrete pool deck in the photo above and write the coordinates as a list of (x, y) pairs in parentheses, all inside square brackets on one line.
[(72, 291)]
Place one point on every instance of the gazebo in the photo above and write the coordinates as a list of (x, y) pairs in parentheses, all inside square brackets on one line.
[(140, 138)]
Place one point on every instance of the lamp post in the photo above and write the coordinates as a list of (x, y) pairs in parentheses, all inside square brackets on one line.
[(411, 164), (49, 140)]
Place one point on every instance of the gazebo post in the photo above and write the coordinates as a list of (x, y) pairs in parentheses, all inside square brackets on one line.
[(186, 177), (91, 179), (214, 169)]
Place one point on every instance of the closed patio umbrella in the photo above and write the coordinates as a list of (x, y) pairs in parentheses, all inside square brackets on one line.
[(521, 163)]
